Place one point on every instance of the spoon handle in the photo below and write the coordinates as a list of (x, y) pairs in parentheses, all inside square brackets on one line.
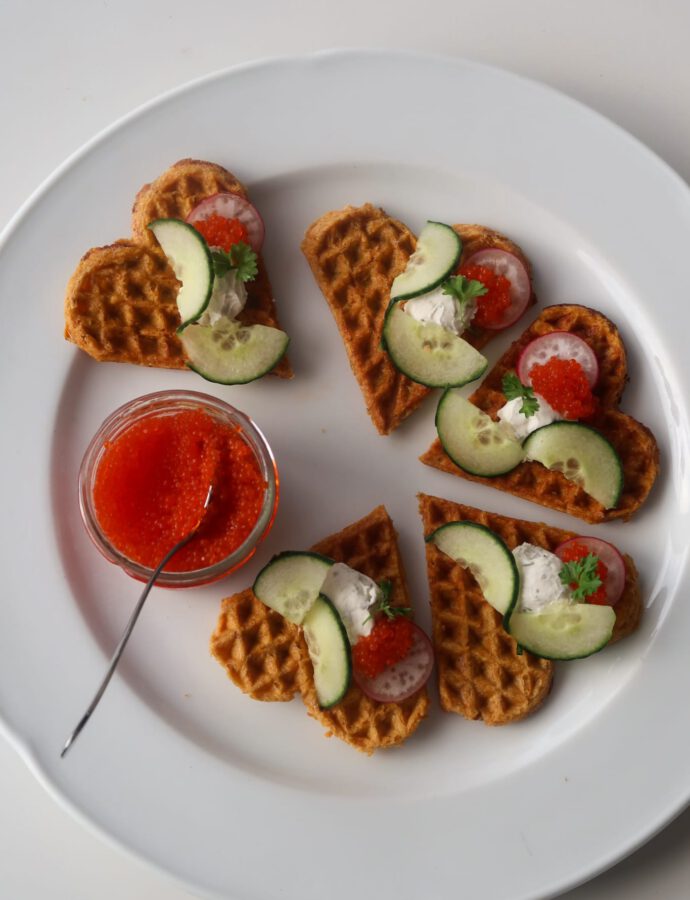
[(128, 630)]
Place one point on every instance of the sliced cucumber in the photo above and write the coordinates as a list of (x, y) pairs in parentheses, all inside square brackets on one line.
[(563, 630), (188, 254), (473, 440), (436, 255), (291, 581), (231, 353), (428, 353), (484, 553), (582, 455), (329, 651)]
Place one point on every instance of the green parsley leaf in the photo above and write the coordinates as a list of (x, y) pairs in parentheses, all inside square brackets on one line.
[(583, 574), (383, 604), (514, 388), (463, 289), (240, 257), (221, 263), (245, 260)]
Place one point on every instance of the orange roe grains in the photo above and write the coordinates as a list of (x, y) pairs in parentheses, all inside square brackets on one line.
[(563, 384), (389, 642), (491, 307), (222, 232), (151, 484), (573, 552)]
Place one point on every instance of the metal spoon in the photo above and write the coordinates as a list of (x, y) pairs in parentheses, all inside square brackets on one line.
[(132, 621)]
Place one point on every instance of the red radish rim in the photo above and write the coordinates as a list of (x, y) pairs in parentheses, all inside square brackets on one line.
[(377, 688), (245, 211), (612, 559), (520, 286), (591, 370)]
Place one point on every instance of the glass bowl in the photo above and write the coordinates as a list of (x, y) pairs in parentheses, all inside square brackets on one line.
[(164, 403)]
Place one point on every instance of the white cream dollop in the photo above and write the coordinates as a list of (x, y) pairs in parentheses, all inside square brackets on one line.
[(441, 309), (540, 584), (353, 594), (228, 298), (520, 424)]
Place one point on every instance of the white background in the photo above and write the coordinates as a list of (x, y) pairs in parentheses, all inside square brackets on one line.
[(69, 69)]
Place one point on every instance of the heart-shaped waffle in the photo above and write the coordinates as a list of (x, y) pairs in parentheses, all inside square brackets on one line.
[(480, 673), (120, 304), (634, 442), (354, 254), (266, 656)]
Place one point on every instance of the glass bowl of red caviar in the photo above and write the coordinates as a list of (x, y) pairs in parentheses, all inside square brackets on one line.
[(145, 476)]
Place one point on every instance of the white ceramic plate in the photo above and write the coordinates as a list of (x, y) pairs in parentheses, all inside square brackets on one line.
[(247, 800)]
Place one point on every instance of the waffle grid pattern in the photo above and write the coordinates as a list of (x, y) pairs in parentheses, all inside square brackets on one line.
[(355, 254), (120, 303), (266, 656), (480, 673), (634, 442)]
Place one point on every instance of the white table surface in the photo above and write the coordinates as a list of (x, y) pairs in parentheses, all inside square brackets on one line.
[(69, 69)]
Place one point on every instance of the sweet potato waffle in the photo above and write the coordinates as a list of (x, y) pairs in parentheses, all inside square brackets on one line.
[(480, 673), (634, 442), (120, 304), (354, 254), (266, 656)]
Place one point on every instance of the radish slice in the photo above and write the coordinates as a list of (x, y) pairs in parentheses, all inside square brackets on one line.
[(507, 264), (232, 206), (611, 558), (563, 345), (404, 678)]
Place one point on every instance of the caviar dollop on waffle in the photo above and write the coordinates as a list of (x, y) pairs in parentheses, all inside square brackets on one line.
[(634, 443), (355, 253), (266, 656), (120, 303), (480, 673)]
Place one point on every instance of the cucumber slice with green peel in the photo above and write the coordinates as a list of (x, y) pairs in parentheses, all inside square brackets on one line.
[(428, 353), (329, 651), (231, 353), (473, 440), (190, 258), (485, 554), (582, 455), (436, 255), (563, 630), (291, 582)]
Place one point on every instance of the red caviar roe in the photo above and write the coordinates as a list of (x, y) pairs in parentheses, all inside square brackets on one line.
[(491, 307), (563, 384), (389, 642), (151, 484), (222, 232), (578, 551)]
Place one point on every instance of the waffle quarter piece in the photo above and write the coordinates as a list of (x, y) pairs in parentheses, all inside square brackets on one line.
[(634, 442), (354, 254), (266, 656), (120, 303), (480, 674)]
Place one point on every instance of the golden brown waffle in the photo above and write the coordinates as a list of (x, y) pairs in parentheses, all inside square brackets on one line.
[(267, 658), (480, 674), (355, 253), (634, 442), (120, 302)]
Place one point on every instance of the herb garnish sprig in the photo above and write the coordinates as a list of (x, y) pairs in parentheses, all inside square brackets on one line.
[(514, 388), (583, 574), (383, 604), (463, 289), (240, 257)]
